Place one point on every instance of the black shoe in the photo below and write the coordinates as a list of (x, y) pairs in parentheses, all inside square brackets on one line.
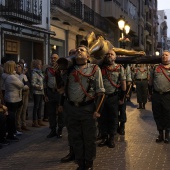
[(4, 142), (159, 139), (80, 168), (81, 164), (140, 106), (167, 138), (59, 132), (68, 158), (143, 105), (0, 146), (122, 132), (104, 142), (12, 138), (52, 134), (88, 168), (111, 143), (88, 165), (99, 137), (128, 100)]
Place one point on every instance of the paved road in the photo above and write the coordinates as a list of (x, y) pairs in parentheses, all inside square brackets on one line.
[(137, 150)]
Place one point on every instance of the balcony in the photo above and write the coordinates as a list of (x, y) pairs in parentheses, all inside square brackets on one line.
[(21, 11), (137, 45), (82, 12), (73, 8), (147, 29), (149, 39), (149, 20)]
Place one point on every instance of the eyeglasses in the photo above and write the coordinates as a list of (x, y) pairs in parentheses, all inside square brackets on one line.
[(81, 49)]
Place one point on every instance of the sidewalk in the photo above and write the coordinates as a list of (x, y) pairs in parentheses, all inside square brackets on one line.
[(137, 150)]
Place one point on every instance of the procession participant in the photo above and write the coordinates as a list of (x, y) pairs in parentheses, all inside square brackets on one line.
[(141, 76), (122, 118), (52, 99), (159, 84), (84, 84), (113, 78)]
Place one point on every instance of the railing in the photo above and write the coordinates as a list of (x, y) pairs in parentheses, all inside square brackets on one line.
[(70, 6), (22, 11), (83, 12), (148, 3)]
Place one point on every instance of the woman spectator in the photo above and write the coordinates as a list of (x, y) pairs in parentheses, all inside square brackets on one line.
[(38, 91), (13, 96), (21, 114)]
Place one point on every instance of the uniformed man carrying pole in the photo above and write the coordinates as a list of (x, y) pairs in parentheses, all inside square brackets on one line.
[(159, 84), (122, 107), (83, 89), (113, 79), (141, 76)]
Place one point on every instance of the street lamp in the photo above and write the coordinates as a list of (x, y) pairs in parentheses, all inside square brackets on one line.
[(125, 28), (157, 53)]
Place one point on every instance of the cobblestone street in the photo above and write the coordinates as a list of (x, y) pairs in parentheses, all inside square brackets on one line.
[(137, 150)]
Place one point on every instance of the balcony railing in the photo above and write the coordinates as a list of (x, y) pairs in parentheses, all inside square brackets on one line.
[(22, 11), (83, 12)]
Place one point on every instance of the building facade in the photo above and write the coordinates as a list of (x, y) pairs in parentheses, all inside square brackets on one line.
[(32, 29), (25, 29), (73, 19), (162, 31)]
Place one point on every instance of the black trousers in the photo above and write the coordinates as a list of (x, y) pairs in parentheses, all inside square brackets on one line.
[(122, 113), (161, 110), (109, 116), (12, 109), (2, 126), (142, 91), (55, 118), (82, 131)]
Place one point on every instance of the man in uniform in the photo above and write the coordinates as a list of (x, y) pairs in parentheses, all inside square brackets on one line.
[(141, 76), (159, 84), (84, 84), (52, 99), (122, 108), (113, 79)]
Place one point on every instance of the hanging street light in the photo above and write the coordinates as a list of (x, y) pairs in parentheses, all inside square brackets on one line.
[(125, 28), (121, 23)]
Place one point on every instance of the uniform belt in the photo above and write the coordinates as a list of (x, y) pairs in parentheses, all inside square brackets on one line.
[(78, 104), (141, 79), (112, 94), (168, 92)]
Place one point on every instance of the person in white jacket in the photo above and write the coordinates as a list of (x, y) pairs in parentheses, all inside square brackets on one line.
[(13, 96)]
